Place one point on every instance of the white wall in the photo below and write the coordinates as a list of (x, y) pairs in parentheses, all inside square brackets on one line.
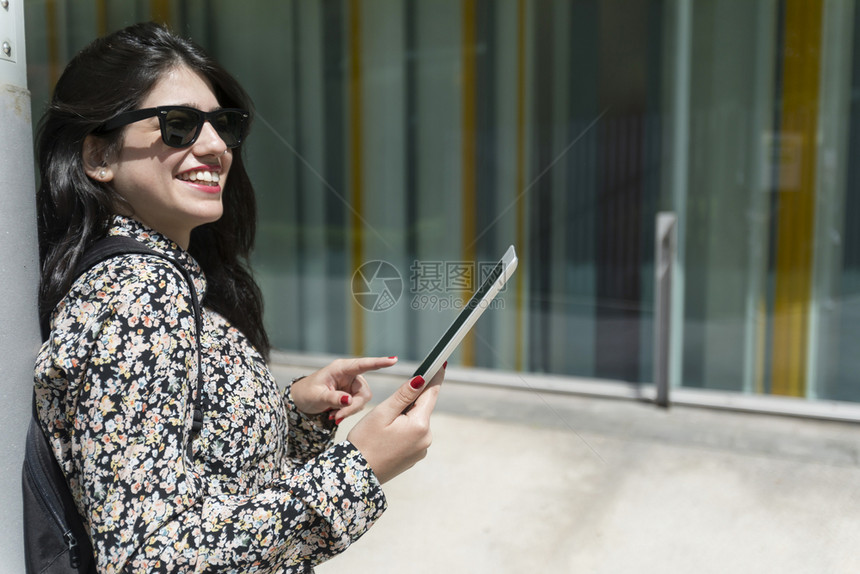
[(19, 336)]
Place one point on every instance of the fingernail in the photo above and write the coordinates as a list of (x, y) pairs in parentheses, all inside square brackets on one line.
[(417, 382), (393, 357), (344, 400), (338, 421), (445, 365), (331, 416)]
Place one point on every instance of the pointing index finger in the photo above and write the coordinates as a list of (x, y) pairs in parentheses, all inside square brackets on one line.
[(360, 365)]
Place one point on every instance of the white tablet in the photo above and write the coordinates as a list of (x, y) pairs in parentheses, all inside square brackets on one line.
[(488, 290)]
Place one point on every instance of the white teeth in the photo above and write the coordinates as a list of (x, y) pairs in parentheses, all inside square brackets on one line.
[(201, 176)]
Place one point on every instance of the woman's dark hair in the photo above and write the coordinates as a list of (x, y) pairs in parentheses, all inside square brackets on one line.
[(110, 76)]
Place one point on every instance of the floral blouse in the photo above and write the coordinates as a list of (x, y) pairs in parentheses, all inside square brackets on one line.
[(262, 487)]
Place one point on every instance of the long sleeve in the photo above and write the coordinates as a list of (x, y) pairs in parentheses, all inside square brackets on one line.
[(308, 435), (304, 519), (113, 389), (298, 521)]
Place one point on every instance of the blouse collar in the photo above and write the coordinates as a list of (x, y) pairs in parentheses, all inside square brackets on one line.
[(129, 227)]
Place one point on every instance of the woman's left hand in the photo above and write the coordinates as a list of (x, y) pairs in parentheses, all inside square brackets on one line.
[(338, 388)]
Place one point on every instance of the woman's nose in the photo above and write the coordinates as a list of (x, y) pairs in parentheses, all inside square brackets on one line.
[(209, 142)]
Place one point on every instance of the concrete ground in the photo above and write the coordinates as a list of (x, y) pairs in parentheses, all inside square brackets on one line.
[(522, 481)]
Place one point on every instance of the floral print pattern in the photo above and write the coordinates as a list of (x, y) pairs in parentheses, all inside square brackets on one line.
[(262, 487)]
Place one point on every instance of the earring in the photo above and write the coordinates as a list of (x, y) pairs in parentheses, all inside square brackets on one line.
[(102, 174)]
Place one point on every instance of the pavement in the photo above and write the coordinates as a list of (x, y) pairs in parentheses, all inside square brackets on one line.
[(519, 481)]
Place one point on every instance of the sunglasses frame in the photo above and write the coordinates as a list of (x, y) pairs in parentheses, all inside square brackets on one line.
[(161, 112)]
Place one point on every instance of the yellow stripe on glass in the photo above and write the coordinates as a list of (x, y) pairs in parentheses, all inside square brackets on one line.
[(101, 17), (356, 169), (159, 11), (796, 193), (521, 178), (53, 40)]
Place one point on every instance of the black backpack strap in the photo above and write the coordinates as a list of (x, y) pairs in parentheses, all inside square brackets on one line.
[(108, 247)]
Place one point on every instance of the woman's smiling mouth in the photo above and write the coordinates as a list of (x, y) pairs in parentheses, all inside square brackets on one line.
[(201, 177)]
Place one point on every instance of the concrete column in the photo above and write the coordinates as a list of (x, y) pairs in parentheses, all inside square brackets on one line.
[(19, 333)]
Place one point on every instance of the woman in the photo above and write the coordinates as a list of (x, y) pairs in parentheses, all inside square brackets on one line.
[(142, 139)]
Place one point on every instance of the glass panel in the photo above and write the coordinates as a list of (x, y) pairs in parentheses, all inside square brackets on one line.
[(729, 193), (400, 145), (835, 362)]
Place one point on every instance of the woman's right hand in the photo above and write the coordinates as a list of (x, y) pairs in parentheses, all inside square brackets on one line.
[(393, 437)]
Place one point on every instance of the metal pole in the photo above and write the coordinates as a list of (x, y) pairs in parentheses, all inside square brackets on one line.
[(19, 336), (664, 257)]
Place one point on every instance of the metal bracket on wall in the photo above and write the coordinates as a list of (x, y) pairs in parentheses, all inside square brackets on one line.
[(12, 58), (664, 260), (8, 37)]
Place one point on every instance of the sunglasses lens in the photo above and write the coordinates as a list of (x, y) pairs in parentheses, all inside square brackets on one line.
[(230, 125), (180, 126)]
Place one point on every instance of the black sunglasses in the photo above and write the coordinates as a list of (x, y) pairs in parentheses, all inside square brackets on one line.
[(181, 125)]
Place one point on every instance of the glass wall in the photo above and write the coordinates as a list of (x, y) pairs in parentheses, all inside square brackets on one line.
[(400, 146)]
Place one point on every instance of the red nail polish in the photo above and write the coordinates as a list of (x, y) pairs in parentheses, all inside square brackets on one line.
[(338, 421), (331, 416), (445, 365), (393, 357), (417, 382), (344, 400)]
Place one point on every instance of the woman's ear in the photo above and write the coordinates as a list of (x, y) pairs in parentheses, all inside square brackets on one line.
[(95, 160)]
